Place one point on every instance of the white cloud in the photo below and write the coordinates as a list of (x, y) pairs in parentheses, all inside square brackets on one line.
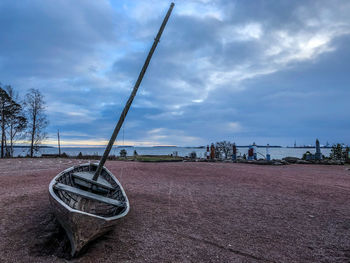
[(245, 32), (234, 127), (165, 136), (167, 115), (69, 113), (300, 46), (156, 131)]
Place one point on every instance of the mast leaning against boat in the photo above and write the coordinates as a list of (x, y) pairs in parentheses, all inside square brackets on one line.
[(132, 95)]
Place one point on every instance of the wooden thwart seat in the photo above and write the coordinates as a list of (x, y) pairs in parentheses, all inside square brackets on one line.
[(88, 195), (85, 179)]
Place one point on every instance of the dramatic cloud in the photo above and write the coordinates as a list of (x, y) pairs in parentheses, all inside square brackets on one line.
[(264, 71)]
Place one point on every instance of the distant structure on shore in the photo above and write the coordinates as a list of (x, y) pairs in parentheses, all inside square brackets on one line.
[(212, 151), (234, 152), (268, 156), (252, 152), (308, 146), (317, 156)]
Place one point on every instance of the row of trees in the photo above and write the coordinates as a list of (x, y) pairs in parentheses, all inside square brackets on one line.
[(222, 149), (23, 120), (340, 153)]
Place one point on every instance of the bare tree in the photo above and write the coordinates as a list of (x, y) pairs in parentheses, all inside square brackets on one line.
[(224, 147), (37, 120), (16, 121), (5, 102)]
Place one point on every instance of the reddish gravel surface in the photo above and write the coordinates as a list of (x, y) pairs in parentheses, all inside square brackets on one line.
[(188, 212)]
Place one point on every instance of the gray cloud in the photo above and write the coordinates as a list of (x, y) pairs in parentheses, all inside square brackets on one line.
[(53, 38)]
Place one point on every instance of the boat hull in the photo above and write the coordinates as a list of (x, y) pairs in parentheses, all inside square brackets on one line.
[(81, 226)]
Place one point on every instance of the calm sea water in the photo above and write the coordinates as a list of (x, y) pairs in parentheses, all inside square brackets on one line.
[(276, 153)]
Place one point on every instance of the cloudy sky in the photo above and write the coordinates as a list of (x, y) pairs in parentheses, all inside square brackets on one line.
[(263, 71)]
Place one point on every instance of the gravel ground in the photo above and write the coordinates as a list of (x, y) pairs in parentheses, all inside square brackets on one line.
[(188, 212)]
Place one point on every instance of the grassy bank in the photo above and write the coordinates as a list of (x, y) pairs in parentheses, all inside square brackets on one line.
[(156, 158)]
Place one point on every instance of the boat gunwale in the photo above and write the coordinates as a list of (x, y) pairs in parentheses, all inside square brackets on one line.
[(53, 194)]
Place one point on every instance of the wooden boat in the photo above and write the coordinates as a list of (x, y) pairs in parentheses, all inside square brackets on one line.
[(86, 208), (87, 199)]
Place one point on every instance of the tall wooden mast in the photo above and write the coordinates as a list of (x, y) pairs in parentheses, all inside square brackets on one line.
[(59, 143), (132, 95)]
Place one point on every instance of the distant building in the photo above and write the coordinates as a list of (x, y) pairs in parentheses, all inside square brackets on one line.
[(255, 151), (268, 157), (252, 152), (212, 151), (318, 155), (234, 152)]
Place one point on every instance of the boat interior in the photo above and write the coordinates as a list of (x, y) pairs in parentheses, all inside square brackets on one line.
[(78, 190)]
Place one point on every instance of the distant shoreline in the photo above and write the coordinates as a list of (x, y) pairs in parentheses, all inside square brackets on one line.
[(165, 146), (27, 146)]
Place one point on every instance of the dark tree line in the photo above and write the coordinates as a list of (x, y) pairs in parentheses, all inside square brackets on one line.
[(21, 120), (338, 152)]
